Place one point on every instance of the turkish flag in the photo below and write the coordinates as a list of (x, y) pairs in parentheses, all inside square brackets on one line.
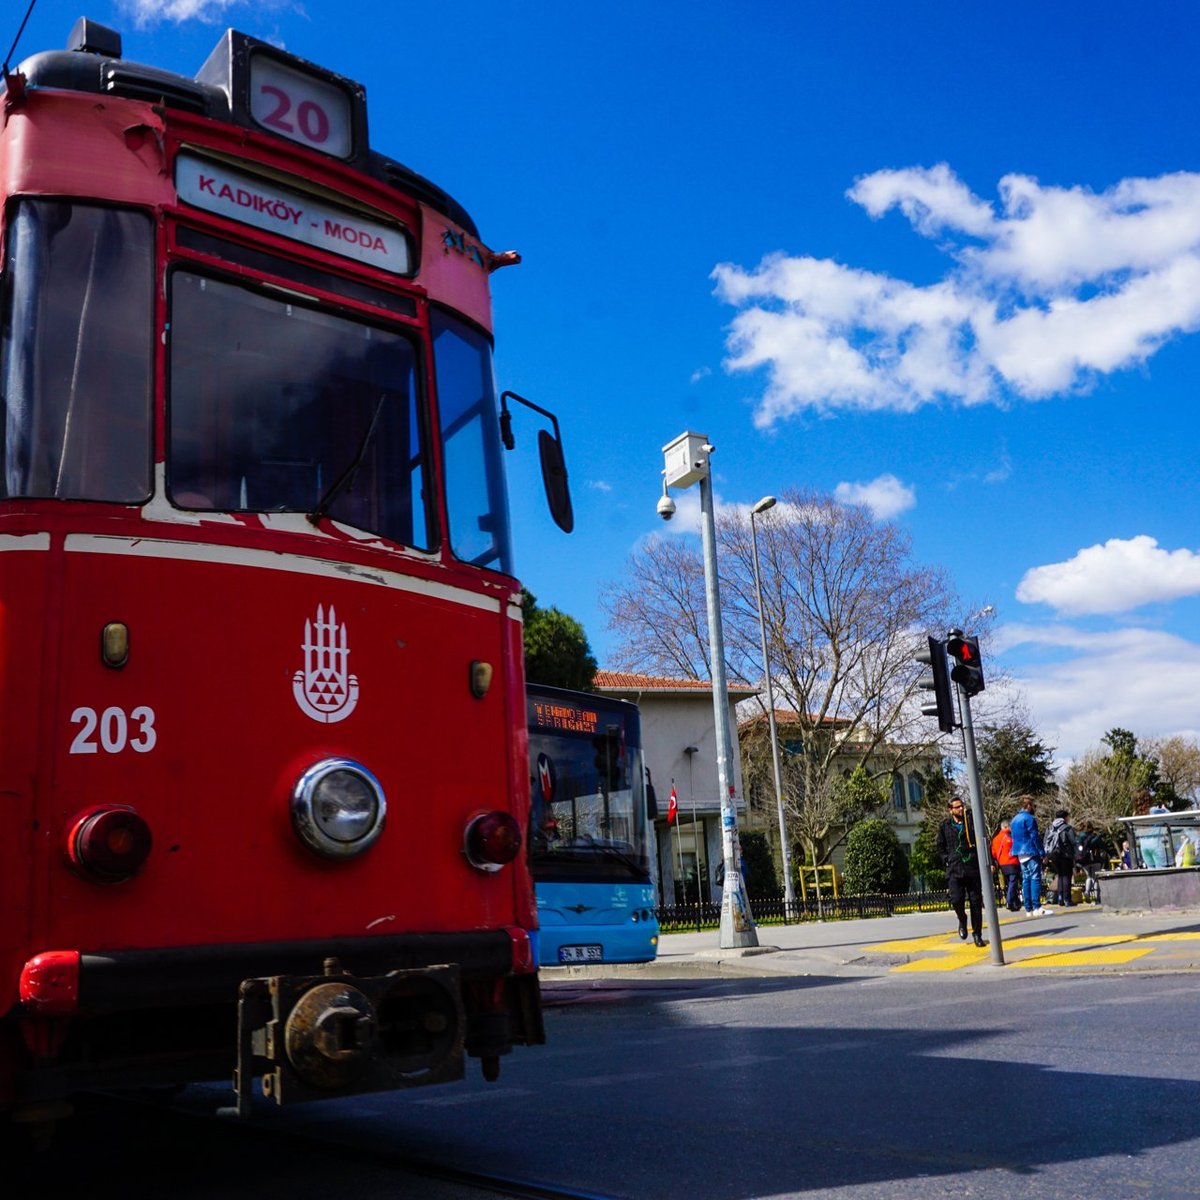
[(672, 808)]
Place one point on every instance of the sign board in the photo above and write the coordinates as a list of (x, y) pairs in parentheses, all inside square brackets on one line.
[(288, 213)]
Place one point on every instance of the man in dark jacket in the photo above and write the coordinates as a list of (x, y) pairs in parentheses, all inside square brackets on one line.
[(956, 849)]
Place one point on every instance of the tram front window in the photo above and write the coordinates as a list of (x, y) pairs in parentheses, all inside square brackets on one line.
[(476, 500), (277, 407), (76, 340)]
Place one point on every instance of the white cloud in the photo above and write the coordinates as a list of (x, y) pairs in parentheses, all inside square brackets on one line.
[(599, 485), (885, 496), (209, 12), (1088, 683), (1115, 577), (1042, 293)]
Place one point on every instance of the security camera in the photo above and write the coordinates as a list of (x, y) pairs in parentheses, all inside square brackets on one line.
[(666, 507)]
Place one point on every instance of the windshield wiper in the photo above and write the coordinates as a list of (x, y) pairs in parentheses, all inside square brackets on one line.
[(340, 484)]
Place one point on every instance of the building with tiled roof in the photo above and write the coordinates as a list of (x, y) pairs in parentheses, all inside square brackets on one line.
[(679, 742)]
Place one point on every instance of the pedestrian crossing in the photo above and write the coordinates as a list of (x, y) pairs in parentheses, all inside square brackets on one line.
[(1024, 947)]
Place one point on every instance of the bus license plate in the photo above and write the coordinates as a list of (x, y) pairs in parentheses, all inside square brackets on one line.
[(568, 954)]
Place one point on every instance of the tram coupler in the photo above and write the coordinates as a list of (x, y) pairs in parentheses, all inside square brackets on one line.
[(310, 1037)]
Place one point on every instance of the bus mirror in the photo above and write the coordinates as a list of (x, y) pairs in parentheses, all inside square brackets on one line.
[(554, 476)]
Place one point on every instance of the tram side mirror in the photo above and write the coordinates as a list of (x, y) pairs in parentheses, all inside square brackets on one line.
[(554, 476), (550, 451)]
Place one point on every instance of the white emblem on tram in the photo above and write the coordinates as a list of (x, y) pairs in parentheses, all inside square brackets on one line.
[(325, 689)]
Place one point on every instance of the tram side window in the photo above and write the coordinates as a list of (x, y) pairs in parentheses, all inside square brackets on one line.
[(475, 494), (273, 403), (76, 340)]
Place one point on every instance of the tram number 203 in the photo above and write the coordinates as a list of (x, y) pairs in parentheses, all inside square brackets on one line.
[(114, 730)]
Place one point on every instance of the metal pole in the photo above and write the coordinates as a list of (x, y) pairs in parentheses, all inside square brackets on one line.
[(679, 847), (785, 853), (737, 923), (690, 751), (983, 850)]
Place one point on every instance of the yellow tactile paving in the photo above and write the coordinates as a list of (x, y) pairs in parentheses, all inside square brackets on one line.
[(1029, 949), (1083, 958), (944, 962)]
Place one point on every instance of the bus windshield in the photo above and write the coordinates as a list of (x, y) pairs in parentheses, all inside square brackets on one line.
[(588, 788), (272, 403)]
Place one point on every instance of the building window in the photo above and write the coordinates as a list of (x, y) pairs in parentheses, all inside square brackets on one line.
[(898, 792), (916, 791)]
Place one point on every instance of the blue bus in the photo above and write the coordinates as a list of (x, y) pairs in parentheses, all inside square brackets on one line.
[(588, 831)]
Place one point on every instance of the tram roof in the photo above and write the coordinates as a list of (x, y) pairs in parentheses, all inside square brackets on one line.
[(92, 63)]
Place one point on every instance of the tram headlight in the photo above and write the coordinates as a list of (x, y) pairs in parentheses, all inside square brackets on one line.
[(338, 808)]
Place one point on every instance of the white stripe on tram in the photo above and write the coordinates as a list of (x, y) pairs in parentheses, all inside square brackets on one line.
[(270, 560), (24, 541)]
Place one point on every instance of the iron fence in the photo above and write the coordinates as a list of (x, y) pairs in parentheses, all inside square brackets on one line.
[(775, 910)]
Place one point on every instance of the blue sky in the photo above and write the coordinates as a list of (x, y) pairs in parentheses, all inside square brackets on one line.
[(944, 258)]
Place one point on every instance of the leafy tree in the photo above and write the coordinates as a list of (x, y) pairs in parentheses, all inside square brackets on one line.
[(924, 862), (874, 860), (1100, 787), (1013, 762), (762, 882), (858, 797), (557, 653)]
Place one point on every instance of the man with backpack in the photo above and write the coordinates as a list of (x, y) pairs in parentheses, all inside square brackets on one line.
[(1061, 844)]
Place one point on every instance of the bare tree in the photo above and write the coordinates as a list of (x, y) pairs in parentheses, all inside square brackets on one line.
[(845, 607), (1178, 766)]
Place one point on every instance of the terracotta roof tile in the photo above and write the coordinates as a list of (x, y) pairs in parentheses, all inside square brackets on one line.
[(626, 681)]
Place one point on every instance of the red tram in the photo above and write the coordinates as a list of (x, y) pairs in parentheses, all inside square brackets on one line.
[(255, 584)]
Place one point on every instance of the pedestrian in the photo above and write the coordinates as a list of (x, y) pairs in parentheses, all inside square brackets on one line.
[(1061, 844), (956, 848), (1126, 860), (1027, 846), (1089, 856), (1010, 869)]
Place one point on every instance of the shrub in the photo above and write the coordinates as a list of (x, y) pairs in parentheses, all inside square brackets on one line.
[(874, 860), (762, 880)]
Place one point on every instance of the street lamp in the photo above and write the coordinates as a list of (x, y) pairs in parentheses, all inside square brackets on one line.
[(789, 893), (686, 461)]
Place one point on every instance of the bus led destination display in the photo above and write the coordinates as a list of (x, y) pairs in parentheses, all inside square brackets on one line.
[(290, 214), (568, 717)]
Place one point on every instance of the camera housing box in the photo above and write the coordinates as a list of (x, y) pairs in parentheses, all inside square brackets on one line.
[(686, 459)]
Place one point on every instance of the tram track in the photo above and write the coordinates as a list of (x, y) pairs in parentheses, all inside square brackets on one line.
[(258, 1144)]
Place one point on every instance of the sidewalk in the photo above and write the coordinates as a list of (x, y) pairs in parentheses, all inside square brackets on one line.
[(1084, 939)]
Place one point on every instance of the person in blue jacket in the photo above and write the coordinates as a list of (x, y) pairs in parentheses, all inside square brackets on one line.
[(1027, 846)]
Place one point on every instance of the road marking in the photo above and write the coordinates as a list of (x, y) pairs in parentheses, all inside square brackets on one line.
[(946, 953)]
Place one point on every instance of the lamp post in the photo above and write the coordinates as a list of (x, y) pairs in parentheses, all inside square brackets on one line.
[(785, 852), (686, 461)]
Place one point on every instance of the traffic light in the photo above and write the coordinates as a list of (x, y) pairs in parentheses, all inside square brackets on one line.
[(939, 684), (968, 669)]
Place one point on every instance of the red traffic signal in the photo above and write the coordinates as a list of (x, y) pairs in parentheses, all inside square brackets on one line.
[(968, 669)]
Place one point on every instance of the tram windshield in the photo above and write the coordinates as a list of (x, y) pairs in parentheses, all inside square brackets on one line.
[(588, 788), (278, 407), (76, 338)]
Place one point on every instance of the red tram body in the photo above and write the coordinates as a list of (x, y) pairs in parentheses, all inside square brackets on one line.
[(254, 586)]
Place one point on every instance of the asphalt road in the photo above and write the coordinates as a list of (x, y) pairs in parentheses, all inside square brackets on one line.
[(873, 1085)]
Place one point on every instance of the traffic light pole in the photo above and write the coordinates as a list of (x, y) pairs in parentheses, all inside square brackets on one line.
[(983, 847)]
